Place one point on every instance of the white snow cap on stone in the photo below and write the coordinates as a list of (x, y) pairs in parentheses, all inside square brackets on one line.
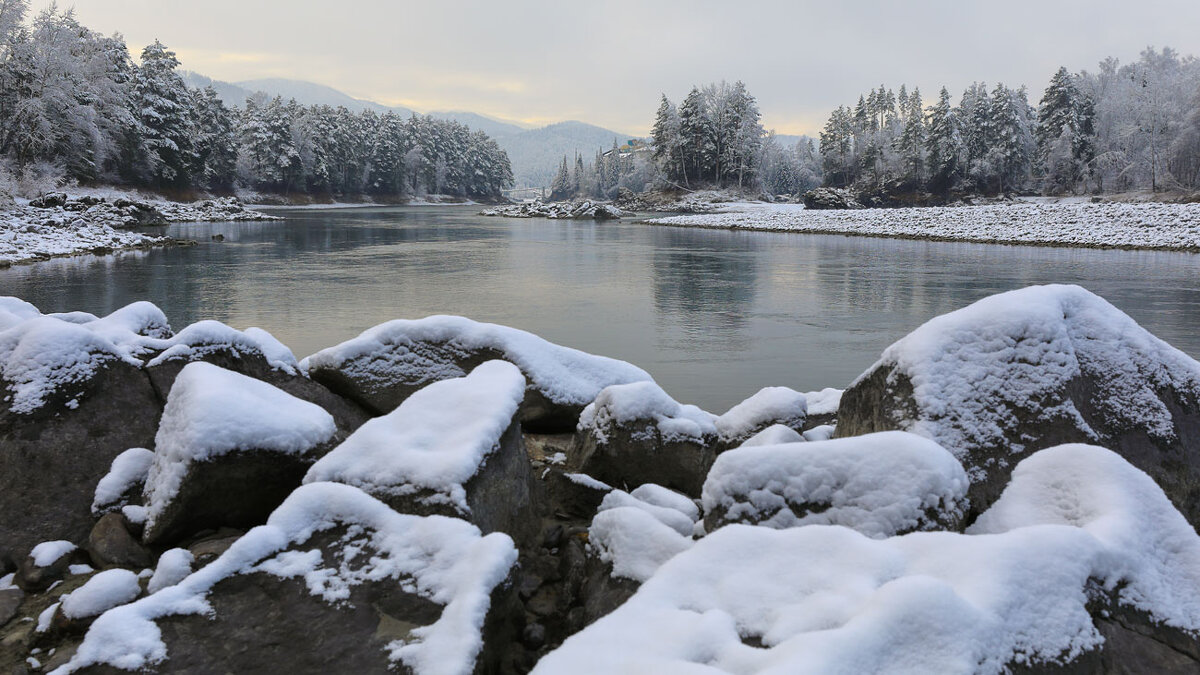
[(445, 559), (1153, 546), (436, 440), (47, 553), (212, 412), (776, 434), (101, 593), (645, 401), (771, 404), (637, 532), (821, 433), (879, 484), (826, 599), (128, 470), (173, 567), (562, 374), (1026, 346), (15, 310), (824, 402), (42, 355)]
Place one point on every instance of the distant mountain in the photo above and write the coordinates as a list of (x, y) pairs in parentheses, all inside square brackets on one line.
[(535, 153), (488, 125)]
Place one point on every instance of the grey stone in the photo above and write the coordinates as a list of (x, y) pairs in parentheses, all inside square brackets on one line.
[(111, 544), (10, 600), (51, 459)]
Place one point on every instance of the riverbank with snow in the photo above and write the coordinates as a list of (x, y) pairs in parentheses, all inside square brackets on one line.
[(1153, 226), (56, 225)]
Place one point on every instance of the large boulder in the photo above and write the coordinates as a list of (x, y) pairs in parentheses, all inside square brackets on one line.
[(453, 448), (824, 198), (253, 352), (1016, 593), (1033, 368), (229, 449), (334, 577), (386, 364), (634, 434), (880, 484), (70, 402)]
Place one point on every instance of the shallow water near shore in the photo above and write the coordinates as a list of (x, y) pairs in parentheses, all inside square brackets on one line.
[(713, 315)]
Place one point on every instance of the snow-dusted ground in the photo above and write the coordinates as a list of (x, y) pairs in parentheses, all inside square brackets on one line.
[(1107, 225), (95, 224)]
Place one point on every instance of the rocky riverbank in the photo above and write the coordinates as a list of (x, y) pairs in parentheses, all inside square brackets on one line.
[(1149, 226), (1010, 487), (56, 224), (584, 210)]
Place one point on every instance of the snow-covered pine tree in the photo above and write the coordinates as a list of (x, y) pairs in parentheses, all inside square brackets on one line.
[(162, 106), (943, 145)]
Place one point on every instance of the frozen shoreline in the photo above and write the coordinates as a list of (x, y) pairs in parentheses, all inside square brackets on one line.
[(1152, 226)]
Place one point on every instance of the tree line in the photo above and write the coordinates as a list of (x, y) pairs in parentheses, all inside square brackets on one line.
[(74, 103), (715, 138), (1126, 127)]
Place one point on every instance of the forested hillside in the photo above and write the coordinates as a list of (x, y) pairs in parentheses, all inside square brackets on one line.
[(75, 104), (1132, 126)]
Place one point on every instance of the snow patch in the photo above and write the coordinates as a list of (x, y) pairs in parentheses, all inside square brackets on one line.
[(129, 469), (623, 404)]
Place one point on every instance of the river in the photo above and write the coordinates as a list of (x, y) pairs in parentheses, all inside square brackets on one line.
[(713, 315)]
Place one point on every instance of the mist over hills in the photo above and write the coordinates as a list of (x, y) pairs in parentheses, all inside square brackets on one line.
[(535, 153)]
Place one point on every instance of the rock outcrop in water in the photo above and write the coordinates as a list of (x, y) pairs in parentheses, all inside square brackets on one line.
[(467, 498)]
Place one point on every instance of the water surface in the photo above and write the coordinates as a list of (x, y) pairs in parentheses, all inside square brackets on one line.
[(714, 315)]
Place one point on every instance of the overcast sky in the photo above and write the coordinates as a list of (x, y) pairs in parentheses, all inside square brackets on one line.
[(605, 62)]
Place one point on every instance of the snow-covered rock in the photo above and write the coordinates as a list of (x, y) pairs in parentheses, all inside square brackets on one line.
[(823, 406), (1033, 368), (349, 581), (124, 481), (880, 485), (452, 448), (636, 433), (386, 364), (770, 406), (229, 448), (72, 398), (101, 593), (174, 566), (825, 599), (776, 434)]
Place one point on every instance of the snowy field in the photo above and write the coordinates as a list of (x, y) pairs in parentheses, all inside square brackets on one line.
[(1108, 225)]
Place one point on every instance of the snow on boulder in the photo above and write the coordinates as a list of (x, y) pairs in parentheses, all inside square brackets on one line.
[(71, 400), (334, 577), (229, 449), (636, 433), (823, 406), (101, 593), (15, 310), (879, 484), (637, 532), (452, 448), (1083, 562), (124, 481), (173, 567), (776, 434), (1033, 368), (386, 364), (44, 360), (770, 406)]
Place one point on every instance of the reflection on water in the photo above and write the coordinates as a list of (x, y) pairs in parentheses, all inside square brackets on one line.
[(712, 314)]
